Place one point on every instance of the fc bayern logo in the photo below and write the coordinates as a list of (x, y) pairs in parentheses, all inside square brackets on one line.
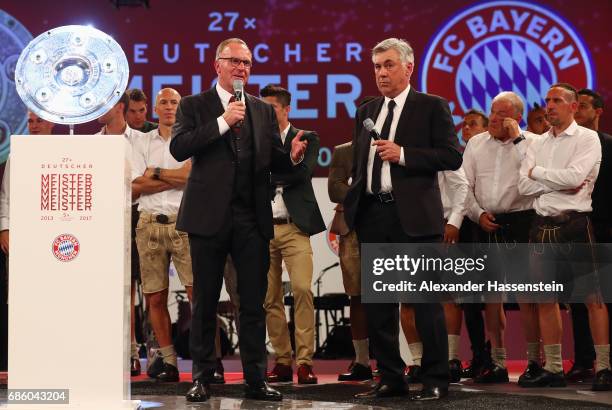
[(65, 247), (503, 46)]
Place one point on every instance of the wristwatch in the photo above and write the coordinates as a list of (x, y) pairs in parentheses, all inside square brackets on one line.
[(156, 173), (519, 139)]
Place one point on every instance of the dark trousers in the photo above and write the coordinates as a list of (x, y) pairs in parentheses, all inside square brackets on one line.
[(378, 223), (474, 323), (249, 250)]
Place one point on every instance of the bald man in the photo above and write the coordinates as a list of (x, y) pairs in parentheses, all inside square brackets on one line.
[(158, 181)]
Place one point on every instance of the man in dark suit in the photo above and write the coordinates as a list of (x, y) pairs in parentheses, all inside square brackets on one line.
[(394, 198), (590, 109), (296, 216), (226, 210)]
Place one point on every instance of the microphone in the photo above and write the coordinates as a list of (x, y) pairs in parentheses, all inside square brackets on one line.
[(238, 86), (369, 125), (238, 89)]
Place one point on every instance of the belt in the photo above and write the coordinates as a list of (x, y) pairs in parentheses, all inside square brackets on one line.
[(281, 221), (562, 218), (159, 218), (383, 197), (513, 217)]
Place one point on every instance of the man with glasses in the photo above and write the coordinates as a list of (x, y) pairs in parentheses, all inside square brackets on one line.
[(234, 144)]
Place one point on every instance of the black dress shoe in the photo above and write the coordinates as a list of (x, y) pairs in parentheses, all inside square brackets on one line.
[(455, 370), (219, 375), (135, 369), (384, 390), (579, 373), (474, 369), (169, 374), (262, 391), (155, 367), (356, 373), (281, 373), (413, 374), (532, 370), (602, 381), (430, 393), (493, 374), (546, 379), (199, 392)]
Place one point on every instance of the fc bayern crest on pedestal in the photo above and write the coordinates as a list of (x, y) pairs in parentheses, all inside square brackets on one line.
[(65, 247), (503, 46)]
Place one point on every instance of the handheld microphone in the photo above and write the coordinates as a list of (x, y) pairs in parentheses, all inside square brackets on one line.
[(369, 125), (238, 89), (238, 86)]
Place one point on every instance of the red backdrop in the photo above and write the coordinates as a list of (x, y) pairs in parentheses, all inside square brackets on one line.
[(333, 38)]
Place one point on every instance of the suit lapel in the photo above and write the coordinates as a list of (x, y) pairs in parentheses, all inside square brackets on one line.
[(372, 113), (406, 117), (255, 130)]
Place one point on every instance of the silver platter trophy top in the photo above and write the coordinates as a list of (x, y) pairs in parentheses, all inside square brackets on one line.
[(71, 74)]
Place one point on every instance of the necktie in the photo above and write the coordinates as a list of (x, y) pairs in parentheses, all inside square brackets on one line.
[(236, 127), (384, 134)]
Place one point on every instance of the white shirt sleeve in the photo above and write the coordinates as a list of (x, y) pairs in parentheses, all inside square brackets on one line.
[(458, 189), (471, 205), (139, 161), (587, 155), (223, 127), (526, 185)]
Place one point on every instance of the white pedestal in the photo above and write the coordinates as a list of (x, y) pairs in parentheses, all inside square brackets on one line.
[(69, 287)]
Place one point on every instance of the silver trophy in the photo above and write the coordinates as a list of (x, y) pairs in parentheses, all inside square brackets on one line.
[(71, 74)]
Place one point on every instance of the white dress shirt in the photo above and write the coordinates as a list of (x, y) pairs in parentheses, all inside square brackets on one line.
[(279, 209), (385, 175), (224, 96), (453, 190), (492, 171), (130, 134), (559, 164), (151, 150)]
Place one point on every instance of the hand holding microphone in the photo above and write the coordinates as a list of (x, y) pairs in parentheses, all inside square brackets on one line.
[(369, 125), (387, 150), (236, 110)]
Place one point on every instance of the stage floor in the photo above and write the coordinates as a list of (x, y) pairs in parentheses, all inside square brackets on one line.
[(329, 394)]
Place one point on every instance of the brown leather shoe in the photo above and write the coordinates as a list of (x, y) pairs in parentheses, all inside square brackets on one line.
[(306, 375), (281, 373)]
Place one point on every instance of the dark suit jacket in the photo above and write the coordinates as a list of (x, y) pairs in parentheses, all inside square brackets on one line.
[(426, 131), (206, 203), (298, 194), (602, 193), (338, 184)]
